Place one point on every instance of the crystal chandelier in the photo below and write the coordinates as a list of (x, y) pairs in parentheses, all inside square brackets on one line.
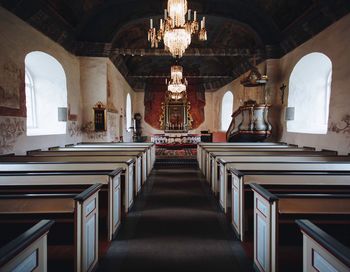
[(175, 30), (177, 84)]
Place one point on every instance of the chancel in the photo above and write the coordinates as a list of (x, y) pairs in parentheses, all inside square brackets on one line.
[(174, 135)]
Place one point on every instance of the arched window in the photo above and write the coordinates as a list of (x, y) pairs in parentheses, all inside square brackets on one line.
[(309, 94), (226, 110), (128, 112), (46, 91), (30, 100)]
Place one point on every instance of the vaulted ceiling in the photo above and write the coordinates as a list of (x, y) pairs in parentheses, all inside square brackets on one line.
[(237, 31)]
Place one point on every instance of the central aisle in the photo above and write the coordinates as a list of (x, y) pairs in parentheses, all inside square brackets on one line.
[(175, 226)]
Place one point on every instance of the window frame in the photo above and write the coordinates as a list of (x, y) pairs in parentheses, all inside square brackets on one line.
[(295, 84), (222, 108)]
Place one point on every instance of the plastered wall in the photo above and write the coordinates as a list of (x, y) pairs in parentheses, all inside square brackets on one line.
[(17, 40), (89, 80), (335, 43)]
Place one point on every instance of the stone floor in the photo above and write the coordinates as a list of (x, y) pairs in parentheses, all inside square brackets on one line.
[(175, 225)]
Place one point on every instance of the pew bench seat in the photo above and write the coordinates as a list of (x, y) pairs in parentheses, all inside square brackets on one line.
[(321, 251), (274, 223), (27, 250), (76, 224)]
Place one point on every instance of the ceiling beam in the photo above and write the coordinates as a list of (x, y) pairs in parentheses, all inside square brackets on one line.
[(186, 76), (198, 52)]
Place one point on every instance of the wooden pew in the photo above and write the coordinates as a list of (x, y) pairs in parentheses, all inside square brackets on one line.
[(206, 152), (275, 232), (242, 196), (54, 166), (229, 157), (100, 159), (321, 252), (76, 227), (289, 164), (110, 196), (214, 156), (202, 146), (28, 251), (140, 156), (147, 150), (151, 147)]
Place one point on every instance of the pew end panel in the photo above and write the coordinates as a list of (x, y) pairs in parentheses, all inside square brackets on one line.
[(265, 212), (274, 215), (87, 221), (115, 203), (28, 252), (321, 252)]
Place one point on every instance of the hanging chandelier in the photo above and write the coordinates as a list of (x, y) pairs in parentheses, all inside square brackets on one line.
[(177, 84), (175, 30)]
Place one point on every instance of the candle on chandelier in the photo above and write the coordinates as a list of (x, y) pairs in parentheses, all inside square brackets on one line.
[(161, 23), (195, 16), (165, 14), (151, 23), (189, 15), (203, 22)]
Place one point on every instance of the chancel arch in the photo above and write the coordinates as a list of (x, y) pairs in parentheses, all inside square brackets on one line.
[(309, 94), (46, 92), (226, 110)]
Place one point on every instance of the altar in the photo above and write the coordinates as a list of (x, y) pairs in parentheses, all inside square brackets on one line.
[(173, 140)]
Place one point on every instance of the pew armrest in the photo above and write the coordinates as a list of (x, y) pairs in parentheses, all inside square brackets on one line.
[(18, 245), (263, 192), (236, 172), (326, 241), (115, 172), (88, 192)]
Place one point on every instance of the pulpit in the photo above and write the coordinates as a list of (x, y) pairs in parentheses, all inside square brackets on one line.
[(249, 123)]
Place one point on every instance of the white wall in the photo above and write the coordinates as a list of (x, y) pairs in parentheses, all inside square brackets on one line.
[(17, 40)]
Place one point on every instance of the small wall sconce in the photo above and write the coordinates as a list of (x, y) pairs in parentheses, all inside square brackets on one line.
[(290, 112), (62, 114)]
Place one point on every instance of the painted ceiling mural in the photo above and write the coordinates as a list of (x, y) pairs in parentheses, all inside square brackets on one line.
[(237, 31)]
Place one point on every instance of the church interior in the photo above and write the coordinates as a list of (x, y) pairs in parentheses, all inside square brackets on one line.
[(174, 135)]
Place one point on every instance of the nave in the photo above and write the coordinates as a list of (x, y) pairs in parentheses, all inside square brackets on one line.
[(175, 225)]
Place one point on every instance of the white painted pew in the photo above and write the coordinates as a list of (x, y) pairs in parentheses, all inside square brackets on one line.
[(127, 166), (229, 157), (96, 154), (63, 178), (82, 207), (206, 152), (242, 179), (321, 252), (151, 147), (288, 164), (268, 210), (200, 146), (71, 158), (28, 252), (125, 149)]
